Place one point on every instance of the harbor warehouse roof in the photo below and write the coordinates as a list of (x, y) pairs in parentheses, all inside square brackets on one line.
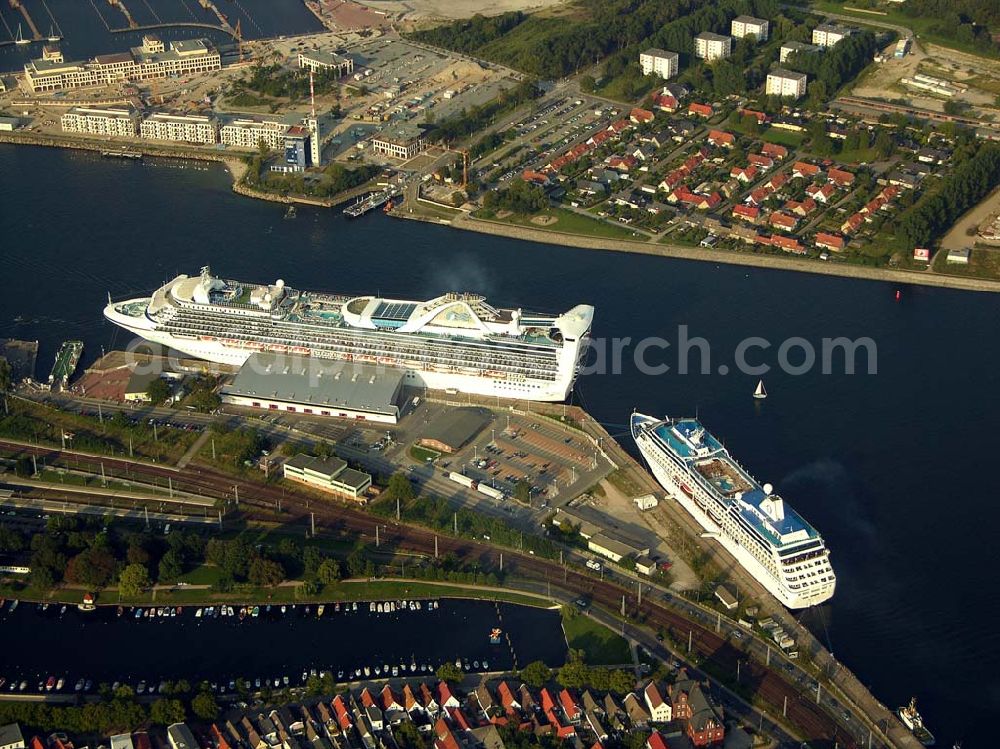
[(10, 736), (455, 428), (309, 381)]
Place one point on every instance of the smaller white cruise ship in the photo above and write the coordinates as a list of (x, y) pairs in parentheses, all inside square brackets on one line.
[(765, 535)]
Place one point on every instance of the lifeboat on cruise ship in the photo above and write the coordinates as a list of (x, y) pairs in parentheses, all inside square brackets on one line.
[(207, 338), (300, 350)]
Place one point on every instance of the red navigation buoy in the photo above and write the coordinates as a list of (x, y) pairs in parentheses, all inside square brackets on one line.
[(899, 295)]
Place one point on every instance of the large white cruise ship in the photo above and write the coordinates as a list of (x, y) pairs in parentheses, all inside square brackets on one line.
[(452, 342), (772, 541)]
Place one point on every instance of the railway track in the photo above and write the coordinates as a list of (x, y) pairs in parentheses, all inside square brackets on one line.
[(260, 502)]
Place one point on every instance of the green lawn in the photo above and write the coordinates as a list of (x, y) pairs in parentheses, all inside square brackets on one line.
[(858, 155), (573, 223), (787, 138), (600, 645), (423, 454)]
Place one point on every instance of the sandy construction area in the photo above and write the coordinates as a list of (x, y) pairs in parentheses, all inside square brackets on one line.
[(417, 10)]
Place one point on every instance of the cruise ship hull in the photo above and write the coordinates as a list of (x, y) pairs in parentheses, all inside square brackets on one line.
[(235, 354), (676, 483)]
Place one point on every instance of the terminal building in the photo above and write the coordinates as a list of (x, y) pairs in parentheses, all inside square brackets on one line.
[(250, 134), (329, 474), (184, 128), (321, 62), (91, 120), (659, 61), (401, 142), (309, 385), (710, 46), (153, 59)]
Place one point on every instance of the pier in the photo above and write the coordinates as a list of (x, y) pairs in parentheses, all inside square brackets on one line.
[(373, 201)]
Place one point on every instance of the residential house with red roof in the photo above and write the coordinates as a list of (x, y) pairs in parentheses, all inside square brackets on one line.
[(745, 174), (758, 196), (829, 241), (761, 117), (445, 698), (805, 169), (721, 138), (760, 161), (665, 102), (704, 722), (788, 244), (656, 741), (777, 181), (840, 177), (701, 110), (821, 193), (800, 209), (659, 709), (427, 700), (598, 138), (748, 213), (535, 178), (619, 126), (775, 151), (852, 224), (640, 116), (443, 737), (781, 220), (570, 707)]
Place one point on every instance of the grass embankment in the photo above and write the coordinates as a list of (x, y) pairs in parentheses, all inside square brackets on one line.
[(568, 222), (422, 454), (601, 646), (345, 590)]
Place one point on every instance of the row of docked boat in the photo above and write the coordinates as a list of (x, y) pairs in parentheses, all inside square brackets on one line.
[(391, 607), (272, 610)]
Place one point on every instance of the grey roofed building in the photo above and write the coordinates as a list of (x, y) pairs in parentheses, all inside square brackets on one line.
[(11, 737), (453, 429), (637, 714), (317, 384), (180, 737)]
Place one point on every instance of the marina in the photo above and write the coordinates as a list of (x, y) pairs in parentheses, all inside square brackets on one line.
[(350, 640)]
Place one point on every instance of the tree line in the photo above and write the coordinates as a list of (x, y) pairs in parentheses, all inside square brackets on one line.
[(963, 188)]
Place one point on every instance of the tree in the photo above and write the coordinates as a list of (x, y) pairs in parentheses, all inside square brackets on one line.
[(536, 674), (458, 198), (265, 572), (133, 580), (328, 571), (170, 567), (166, 712), (587, 84), (399, 488), (884, 145), (158, 391), (575, 673), (204, 706), (522, 491), (449, 672), (93, 567), (5, 381)]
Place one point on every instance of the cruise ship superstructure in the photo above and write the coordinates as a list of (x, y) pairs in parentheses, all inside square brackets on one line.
[(452, 342), (768, 538)]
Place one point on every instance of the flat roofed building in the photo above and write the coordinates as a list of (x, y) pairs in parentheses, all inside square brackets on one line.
[(318, 61), (121, 741), (828, 34), (401, 142), (785, 83), (8, 124), (612, 548), (793, 47), (112, 121), (710, 46), (659, 61), (743, 26), (251, 133), (455, 428), (329, 474), (305, 384), (185, 128), (151, 60)]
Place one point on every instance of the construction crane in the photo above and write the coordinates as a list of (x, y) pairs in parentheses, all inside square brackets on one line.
[(464, 152)]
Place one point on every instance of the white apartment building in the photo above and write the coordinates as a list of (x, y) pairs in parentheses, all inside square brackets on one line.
[(186, 128), (746, 25), (709, 46), (791, 48), (785, 83), (828, 34), (251, 133), (151, 60), (659, 61), (112, 121)]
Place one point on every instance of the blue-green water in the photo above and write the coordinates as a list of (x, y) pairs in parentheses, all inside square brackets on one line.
[(894, 469)]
